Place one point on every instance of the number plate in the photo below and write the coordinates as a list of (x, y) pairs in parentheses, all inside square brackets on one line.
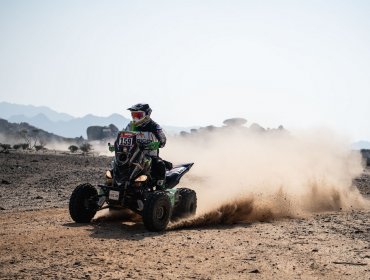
[(126, 139), (113, 195)]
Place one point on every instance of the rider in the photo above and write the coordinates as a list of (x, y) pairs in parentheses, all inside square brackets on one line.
[(150, 131)]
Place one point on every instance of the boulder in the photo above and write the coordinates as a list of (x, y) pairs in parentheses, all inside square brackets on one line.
[(366, 156), (235, 122), (101, 132)]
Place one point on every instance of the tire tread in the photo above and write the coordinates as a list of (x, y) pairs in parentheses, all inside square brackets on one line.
[(76, 210)]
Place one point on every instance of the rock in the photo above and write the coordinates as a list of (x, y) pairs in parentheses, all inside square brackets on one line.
[(5, 182), (101, 132), (257, 128), (235, 122), (254, 271)]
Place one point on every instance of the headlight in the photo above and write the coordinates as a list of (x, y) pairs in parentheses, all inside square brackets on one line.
[(141, 178), (108, 174)]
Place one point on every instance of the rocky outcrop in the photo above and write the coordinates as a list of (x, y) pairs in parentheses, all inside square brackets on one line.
[(235, 122), (20, 133), (257, 128), (366, 156), (101, 132)]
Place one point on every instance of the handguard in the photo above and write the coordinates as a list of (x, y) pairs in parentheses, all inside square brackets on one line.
[(111, 147), (153, 146)]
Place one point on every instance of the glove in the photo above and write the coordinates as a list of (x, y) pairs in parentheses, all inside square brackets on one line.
[(111, 147), (153, 146)]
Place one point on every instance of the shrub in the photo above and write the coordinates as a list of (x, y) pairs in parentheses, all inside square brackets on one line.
[(85, 147), (25, 146), (39, 147), (5, 146), (22, 146), (73, 148), (16, 146)]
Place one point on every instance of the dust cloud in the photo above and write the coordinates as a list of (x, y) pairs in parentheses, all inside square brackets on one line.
[(241, 175), (5, 139), (109, 215), (50, 144), (59, 145)]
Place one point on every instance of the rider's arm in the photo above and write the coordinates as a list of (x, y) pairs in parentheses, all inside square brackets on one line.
[(157, 131), (159, 134)]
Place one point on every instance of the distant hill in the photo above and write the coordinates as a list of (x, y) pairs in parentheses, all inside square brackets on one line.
[(73, 128), (8, 110), (10, 133), (64, 124), (54, 122)]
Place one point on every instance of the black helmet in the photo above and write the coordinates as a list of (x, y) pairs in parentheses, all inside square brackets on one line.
[(140, 113), (141, 107)]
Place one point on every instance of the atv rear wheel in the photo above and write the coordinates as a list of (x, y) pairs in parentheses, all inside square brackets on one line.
[(187, 205), (157, 211), (83, 203)]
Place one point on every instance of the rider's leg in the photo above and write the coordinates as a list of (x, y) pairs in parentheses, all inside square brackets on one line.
[(158, 171)]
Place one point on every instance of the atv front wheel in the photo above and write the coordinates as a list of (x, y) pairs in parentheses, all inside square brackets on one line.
[(187, 205), (157, 211), (83, 203)]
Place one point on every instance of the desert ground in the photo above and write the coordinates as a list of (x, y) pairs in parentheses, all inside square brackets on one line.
[(39, 240)]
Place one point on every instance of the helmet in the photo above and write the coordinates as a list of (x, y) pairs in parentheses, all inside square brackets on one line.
[(140, 113)]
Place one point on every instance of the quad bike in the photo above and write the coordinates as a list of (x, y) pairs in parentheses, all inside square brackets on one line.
[(129, 184)]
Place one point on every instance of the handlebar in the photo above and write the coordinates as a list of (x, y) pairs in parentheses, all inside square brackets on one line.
[(110, 147), (155, 145)]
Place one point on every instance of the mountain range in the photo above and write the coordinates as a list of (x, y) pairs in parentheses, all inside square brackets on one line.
[(63, 124), (9, 110), (68, 126)]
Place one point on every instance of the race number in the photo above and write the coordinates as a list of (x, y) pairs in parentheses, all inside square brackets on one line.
[(126, 140)]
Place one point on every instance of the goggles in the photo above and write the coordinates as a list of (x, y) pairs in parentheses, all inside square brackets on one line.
[(137, 115)]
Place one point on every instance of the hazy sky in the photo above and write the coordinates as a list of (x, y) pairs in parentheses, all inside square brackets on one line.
[(295, 63)]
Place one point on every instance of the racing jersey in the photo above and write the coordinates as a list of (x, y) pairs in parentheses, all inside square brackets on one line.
[(149, 132)]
